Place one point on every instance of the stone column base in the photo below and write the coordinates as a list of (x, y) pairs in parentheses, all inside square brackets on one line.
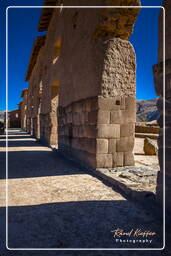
[(98, 131)]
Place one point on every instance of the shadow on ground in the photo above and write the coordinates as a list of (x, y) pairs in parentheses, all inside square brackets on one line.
[(86, 224), (79, 224)]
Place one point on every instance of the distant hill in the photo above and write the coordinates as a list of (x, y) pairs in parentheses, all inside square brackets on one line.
[(147, 110)]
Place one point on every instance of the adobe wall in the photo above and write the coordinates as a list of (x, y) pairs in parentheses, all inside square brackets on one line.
[(88, 61), (14, 119), (33, 98), (23, 109), (96, 71), (42, 118)]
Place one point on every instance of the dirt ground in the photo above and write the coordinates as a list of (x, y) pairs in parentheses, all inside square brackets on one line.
[(141, 160), (53, 203)]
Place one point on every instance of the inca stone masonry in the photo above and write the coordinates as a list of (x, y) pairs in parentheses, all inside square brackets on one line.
[(82, 82)]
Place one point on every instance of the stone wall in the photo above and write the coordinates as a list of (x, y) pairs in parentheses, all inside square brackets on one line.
[(97, 98), (86, 60), (99, 130), (94, 131)]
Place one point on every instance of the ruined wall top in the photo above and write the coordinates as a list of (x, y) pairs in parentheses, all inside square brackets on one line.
[(46, 14), (84, 55), (116, 22), (25, 91)]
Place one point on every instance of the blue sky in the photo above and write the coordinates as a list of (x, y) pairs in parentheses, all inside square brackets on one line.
[(23, 24)]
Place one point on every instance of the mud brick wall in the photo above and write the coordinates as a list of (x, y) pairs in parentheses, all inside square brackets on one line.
[(87, 53), (22, 110), (42, 103), (45, 128), (98, 129), (14, 118)]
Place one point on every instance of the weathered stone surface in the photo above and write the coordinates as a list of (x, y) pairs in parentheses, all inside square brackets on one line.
[(115, 117), (92, 117), (118, 78), (125, 144), (103, 117), (127, 116), (112, 146), (102, 146), (104, 160), (128, 159), (117, 22), (130, 103), (132, 179), (150, 147), (93, 93), (108, 103), (108, 131), (90, 131), (127, 129), (118, 159)]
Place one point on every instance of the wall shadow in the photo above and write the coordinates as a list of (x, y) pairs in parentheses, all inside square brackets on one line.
[(30, 164), (81, 224), (19, 143)]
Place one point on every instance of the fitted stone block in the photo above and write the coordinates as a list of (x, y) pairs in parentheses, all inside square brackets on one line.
[(128, 159), (77, 107), (102, 146), (90, 131), (108, 131), (122, 103), (108, 103), (92, 117), (130, 103), (103, 117), (127, 129), (90, 145), (94, 103), (86, 120), (88, 106), (69, 117), (127, 117), (118, 159), (115, 117), (125, 144), (104, 160), (112, 146), (85, 144), (76, 119), (96, 91)]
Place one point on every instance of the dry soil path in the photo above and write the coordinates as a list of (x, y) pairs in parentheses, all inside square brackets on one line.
[(55, 204)]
